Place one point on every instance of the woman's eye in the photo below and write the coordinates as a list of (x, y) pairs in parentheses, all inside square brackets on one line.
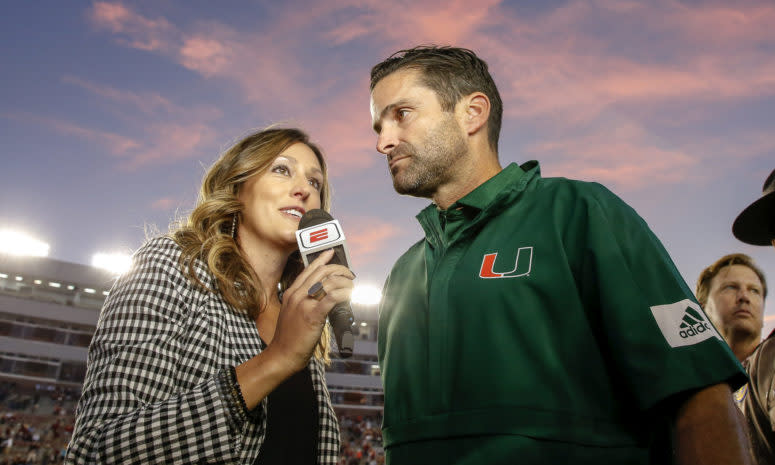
[(282, 169), (316, 184)]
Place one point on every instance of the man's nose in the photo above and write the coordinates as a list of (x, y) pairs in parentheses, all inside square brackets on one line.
[(386, 141)]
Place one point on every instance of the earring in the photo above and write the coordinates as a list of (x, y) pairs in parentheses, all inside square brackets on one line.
[(234, 227)]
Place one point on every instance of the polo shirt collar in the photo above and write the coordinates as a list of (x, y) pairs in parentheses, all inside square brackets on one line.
[(491, 189), (513, 178)]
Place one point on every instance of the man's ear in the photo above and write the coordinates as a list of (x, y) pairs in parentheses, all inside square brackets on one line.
[(475, 112)]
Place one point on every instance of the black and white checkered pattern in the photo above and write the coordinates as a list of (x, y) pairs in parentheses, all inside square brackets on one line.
[(158, 386)]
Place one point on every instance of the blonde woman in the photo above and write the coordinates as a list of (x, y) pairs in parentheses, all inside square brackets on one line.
[(212, 348)]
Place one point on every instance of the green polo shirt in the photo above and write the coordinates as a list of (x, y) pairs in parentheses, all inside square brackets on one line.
[(537, 317)]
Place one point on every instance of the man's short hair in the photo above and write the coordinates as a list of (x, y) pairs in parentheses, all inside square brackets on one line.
[(707, 275), (452, 73)]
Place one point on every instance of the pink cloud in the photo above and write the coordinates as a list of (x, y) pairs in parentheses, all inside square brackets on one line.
[(559, 64), (168, 142), (553, 64), (162, 143), (144, 33), (170, 131), (725, 24), (550, 62), (111, 15), (164, 203), (266, 72), (215, 51), (206, 55), (622, 155), (435, 21), (149, 103), (367, 236), (556, 64), (347, 140), (115, 144)]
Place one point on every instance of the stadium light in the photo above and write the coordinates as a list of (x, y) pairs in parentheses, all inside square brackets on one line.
[(366, 294), (117, 262), (20, 244)]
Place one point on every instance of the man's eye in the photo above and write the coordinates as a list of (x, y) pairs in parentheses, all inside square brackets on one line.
[(402, 113)]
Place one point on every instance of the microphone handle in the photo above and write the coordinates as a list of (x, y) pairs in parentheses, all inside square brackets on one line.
[(341, 319), (341, 316)]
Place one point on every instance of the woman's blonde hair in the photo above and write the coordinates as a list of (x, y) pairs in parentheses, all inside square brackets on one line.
[(206, 234)]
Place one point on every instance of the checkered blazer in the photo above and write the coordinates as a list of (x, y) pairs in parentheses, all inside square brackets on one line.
[(159, 385)]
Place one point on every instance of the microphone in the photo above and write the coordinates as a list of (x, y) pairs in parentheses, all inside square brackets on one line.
[(318, 231)]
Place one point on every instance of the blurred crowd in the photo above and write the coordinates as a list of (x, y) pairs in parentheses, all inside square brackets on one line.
[(35, 423), (361, 440)]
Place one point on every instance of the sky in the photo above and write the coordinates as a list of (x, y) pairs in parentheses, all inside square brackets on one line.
[(111, 111)]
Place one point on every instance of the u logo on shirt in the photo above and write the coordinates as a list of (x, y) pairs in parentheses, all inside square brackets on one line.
[(522, 265)]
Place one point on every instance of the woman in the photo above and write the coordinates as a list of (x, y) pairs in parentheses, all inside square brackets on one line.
[(211, 349)]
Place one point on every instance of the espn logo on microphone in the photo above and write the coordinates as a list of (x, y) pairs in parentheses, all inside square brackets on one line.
[(319, 235)]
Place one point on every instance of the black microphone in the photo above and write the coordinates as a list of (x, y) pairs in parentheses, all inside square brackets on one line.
[(318, 232)]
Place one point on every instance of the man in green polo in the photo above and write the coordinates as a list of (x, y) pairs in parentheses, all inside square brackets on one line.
[(539, 320)]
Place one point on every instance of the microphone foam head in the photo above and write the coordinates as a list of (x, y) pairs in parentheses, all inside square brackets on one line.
[(313, 217)]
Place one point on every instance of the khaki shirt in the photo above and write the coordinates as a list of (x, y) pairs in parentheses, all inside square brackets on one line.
[(757, 401)]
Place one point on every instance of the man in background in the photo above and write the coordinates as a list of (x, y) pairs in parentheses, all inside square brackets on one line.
[(539, 320), (756, 224), (738, 314)]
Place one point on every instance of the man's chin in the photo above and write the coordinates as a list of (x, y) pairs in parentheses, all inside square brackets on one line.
[(401, 185), (403, 189), (411, 188), (749, 325)]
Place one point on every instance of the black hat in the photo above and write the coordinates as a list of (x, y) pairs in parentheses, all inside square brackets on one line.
[(756, 224)]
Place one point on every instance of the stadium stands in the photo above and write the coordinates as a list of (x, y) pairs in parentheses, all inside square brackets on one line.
[(48, 313)]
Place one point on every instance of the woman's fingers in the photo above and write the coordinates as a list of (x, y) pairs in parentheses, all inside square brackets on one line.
[(318, 271), (318, 262), (306, 303), (332, 290)]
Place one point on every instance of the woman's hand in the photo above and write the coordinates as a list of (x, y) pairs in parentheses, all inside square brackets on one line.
[(303, 316), (298, 329)]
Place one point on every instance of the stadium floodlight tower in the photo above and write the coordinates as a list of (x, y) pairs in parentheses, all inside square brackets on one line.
[(366, 294), (116, 262), (22, 244)]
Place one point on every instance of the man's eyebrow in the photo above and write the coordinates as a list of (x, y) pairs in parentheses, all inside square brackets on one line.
[(377, 125)]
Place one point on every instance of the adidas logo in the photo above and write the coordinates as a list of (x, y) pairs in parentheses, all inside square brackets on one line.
[(693, 323), (683, 323)]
